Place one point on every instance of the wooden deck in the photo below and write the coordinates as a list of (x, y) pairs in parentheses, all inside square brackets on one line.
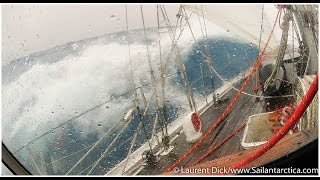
[(246, 106), (289, 144)]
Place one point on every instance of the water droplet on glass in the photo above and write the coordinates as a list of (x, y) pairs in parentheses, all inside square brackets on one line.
[(113, 17)]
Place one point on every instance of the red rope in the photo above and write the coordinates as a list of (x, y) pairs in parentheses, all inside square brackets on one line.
[(209, 151), (284, 130), (227, 110)]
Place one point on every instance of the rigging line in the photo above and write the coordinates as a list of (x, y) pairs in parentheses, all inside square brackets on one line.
[(186, 81), (204, 89), (174, 41), (34, 162), (292, 59), (205, 28), (142, 116), (153, 79), (296, 31), (116, 138), (131, 66), (187, 88), (184, 10), (90, 150), (256, 85), (209, 55), (72, 118), (70, 154), (160, 116), (199, 20), (248, 94), (110, 145), (136, 96), (131, 146), (154, 134), (82, 150), (172, 34), (227, 110), (261, 27), (85, 169)]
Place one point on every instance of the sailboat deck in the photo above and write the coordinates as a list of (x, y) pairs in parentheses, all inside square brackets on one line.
[(245, 107)]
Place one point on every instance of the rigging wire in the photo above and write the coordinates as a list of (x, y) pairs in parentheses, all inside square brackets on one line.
[(130, 60), (146, 105), (256, 86), (208, 53), (131, 146), (153, 79), (188, 90), (90, 150), (114, 140)]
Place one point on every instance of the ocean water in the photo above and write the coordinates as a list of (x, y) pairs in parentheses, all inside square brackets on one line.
[(59, 102)]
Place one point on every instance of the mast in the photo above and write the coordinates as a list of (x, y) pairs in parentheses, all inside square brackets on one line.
[(306, 18)]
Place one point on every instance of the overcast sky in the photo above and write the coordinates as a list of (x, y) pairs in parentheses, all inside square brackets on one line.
[(30, 28)]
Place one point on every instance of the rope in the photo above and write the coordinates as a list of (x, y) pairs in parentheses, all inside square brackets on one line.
[(163, 120), (111, 144), (34, 162), (188, 90), (208, 53), (256, 86), (131, 66), (153, 79), (227, 110), (303, 105), (210, 151), (131, 146), (87, 153), (199, 21), (248, 94), (146, 106)]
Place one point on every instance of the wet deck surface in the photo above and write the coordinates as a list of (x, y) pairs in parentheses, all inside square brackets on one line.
[(245, 107)]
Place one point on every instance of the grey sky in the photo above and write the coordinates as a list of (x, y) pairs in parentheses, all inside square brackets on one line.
[(30, 28)]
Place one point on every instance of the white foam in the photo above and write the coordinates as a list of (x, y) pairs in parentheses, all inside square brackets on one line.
[(191, 134)]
